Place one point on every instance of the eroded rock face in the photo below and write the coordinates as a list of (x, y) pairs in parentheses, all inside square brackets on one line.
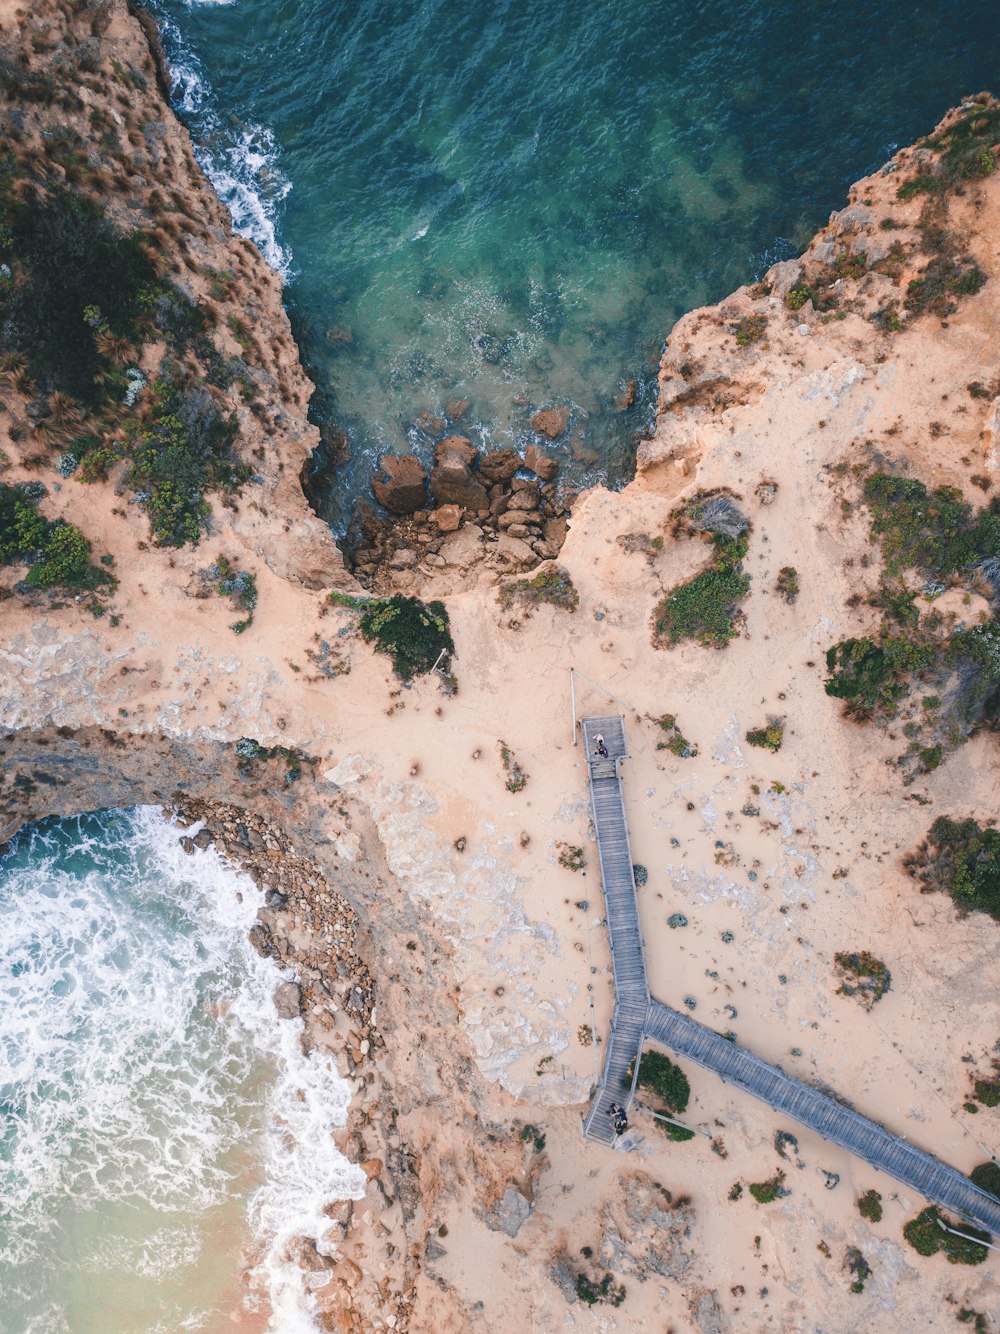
[(402, 489)]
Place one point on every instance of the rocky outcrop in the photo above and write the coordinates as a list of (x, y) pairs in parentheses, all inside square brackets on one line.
[(486, 518)]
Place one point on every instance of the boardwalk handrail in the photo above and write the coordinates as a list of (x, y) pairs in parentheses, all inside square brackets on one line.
[(637, 1017)]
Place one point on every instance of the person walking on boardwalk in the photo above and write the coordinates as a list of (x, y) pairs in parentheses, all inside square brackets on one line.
[(602, 750), (619, 1119)]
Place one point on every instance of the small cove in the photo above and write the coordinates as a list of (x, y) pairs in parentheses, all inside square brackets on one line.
[(513, 206)]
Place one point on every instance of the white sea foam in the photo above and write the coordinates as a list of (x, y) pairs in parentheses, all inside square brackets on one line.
[(241, 159), (143, 1069)]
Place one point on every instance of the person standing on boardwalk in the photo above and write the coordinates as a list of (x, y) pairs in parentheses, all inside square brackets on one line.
[(602, 750)]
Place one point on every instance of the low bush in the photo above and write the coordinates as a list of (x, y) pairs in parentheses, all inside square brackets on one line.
[(57, 554), (414, 634), (865, 977), (962, 858), (787, 583), (766, 1192), (667, 1081), (517, 778), (987, 1177), (858, 1267), (553, 586), (927, 1238), (870, 1206), (873, 677), (769, 737), (674, 739)]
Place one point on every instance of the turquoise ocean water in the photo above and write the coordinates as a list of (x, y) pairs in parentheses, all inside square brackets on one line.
[(511, 202)]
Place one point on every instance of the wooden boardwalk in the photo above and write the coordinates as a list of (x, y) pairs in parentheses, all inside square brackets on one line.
[(638, 1018)]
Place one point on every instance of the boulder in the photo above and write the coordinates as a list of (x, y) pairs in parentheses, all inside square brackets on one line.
[(457, 444), (523, 500), (550, 422), (461, 550), (509, 1213), (784, 276), (499, 466), (403, 487), (288, 1000), (448, 518), (452, 481), (538, 462)]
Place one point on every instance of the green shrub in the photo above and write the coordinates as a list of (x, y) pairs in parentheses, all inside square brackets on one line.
[(935, 531), (667, 1081), (71, 261), (987, 1091), (702, 609), (987, 1177), (750, 329), (870, 1206), (927, 1238), (65, 560), (22, 528), (413, 633), (766, 1192), (856, 1265), (769, 737), (553, 586), (591, 1292), (517, 778), (873, 678), (675, 741), (787, 583), (872, 978), (963, 859)]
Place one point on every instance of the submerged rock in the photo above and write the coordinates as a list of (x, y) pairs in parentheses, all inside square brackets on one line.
[(537, 461), (550, 422)]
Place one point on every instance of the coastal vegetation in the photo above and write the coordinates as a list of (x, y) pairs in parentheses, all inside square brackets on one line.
[(414, 634), (768, 737), (766, 1192), (787, 583), (858, 1267), (673, 738), (552, 585), (962, 858), (987, 1177), (516, 777), (870, 1206), (668, 1085), (573, 859), (56, 553), (927, 1237), (82, 300), (864, 976), (706, 608), (964, 151), (953, 672)]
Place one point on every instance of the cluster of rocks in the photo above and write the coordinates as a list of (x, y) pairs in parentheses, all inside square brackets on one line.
[(304, 923), (468, 503)]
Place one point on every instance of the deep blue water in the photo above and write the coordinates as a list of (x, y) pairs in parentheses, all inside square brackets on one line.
[(512, 202)]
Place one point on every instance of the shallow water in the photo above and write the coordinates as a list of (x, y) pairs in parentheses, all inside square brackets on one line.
[(161, 1132), (512, 203)]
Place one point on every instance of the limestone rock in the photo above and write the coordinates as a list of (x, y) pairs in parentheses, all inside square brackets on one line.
[(403, 488), (550, 422), (456, 408), (509, 1213), (523, 500), (784, 277), (288, 1000), (539, 462), (555, 531), (513, 551), (462, 549), (457, 444)]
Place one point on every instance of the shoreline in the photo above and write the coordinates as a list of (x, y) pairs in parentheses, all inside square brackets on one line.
[(481, 937)]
